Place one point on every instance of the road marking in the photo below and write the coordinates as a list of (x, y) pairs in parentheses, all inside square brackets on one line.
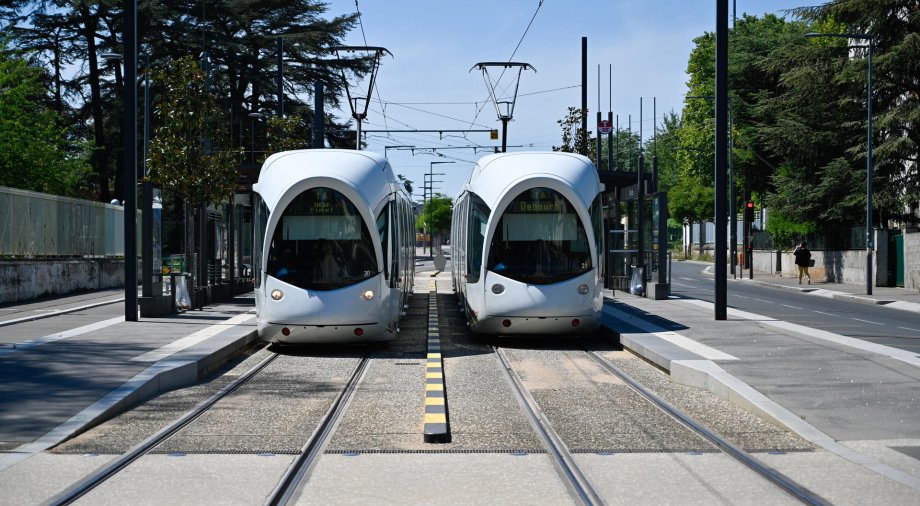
[(852, 342), (191, 339), (867, 321), (765, 301), (435, 427), (910, 329), (793, 307), (672, 337), (740, 296), (822, 312), (687, 279), (32, 343)]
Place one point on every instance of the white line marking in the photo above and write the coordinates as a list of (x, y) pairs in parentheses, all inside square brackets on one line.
[(740, 296), (765, 301), (822, 312), (51, 312), (910, 329), (687, 279), (191, 340), (852, 342), (867, 321), (32, 343), (672, 337), (793, 307), (79, 420)]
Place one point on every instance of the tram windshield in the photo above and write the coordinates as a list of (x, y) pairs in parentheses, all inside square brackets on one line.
[(321, 243), (540, 240)]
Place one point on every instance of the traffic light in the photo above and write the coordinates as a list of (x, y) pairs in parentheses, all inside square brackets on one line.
[(749, 211)]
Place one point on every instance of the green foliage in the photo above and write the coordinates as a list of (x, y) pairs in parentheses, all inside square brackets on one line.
[(787, 232), (285, 134), (35, 153), (574, 139), (68, 38), (437, 211), (184, 156)]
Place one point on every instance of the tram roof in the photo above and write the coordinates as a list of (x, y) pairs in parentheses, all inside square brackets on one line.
[(368, 172), (494, 174)]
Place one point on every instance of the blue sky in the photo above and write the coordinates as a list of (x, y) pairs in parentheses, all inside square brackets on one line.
[(427, 84)]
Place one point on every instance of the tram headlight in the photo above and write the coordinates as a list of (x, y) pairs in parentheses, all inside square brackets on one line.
[(277, 294), (583, 289), (498, 289), (368, 295)]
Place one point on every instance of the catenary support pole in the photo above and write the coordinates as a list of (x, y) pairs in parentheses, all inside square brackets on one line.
[(129, 136), (721, 281)]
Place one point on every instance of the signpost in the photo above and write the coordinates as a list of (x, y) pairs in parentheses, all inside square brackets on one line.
[(604, 126)]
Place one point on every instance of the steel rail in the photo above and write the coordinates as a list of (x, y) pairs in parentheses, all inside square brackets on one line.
[(303, 464), (563, 460), (90, 482), (782, 481)]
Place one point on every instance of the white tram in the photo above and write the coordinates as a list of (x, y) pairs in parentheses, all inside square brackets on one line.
[(333, 254), (527, 244)]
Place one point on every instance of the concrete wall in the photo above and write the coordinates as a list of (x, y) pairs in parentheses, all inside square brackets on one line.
[(830, 266), (912, 260), (23, 280)]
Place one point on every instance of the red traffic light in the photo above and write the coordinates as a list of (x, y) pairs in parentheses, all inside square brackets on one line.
[(750, 204)]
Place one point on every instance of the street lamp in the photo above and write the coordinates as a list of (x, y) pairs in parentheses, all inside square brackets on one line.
[(869, 242)]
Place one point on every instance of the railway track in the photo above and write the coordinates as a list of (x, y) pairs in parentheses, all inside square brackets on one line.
[(576, 480), (289, 482)]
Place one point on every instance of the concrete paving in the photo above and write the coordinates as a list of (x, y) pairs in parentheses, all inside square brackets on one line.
[(859, 405)]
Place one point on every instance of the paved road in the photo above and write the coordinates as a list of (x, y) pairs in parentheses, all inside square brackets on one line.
[(877, 324)]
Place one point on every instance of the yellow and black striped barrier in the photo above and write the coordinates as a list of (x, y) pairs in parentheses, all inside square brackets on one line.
[(436, 428)]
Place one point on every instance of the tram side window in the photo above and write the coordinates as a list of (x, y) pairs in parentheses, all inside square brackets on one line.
[(258, 239), (383, 232), (476, 235)]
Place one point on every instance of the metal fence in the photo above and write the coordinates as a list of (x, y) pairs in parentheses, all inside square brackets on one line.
[(853, 238), (38, 225)]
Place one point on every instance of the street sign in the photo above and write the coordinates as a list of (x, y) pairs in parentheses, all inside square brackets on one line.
[(604, 126), (493, 135)]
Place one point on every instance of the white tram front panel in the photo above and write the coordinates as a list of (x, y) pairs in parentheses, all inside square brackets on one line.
[(534, 265), (322, 263)]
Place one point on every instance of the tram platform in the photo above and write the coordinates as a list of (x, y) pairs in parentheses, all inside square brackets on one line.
[(852, 397), (63, 373), (858, 402)]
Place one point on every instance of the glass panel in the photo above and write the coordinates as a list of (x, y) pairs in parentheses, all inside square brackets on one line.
[(261, 224), (479, 220), (540, 240), (321, 243)]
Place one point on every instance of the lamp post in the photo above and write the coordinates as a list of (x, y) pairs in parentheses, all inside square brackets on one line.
[(252, 132), (431, 174), (870, 244)]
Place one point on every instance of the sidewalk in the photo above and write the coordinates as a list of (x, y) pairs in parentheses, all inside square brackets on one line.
[(56, 383), (851, 397), (891, 297)]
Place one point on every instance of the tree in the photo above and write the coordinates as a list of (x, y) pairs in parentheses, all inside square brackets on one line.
[(241, 38), (895, 28), (35, 153), (436, 215), (185, 156), (574, 139)]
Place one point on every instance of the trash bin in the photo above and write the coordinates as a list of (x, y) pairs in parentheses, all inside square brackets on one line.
[(637, 281), (179, 284)]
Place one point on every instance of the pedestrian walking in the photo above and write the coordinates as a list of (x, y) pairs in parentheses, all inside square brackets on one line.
[(803, 261)]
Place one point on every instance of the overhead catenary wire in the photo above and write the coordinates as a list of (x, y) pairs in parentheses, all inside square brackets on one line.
[(510, 58)]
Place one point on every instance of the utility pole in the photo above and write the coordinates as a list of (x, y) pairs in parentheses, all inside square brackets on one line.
[(721, 281)]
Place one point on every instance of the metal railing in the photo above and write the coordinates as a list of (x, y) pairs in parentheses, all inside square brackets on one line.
[(37, 225)]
